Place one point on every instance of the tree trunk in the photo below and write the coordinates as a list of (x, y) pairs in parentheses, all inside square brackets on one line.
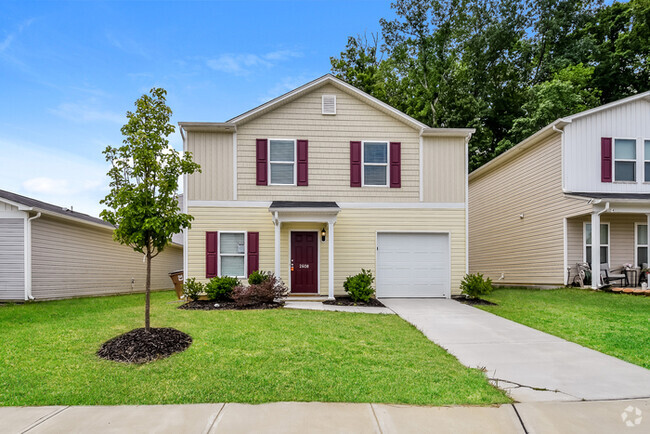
[(147, 291)]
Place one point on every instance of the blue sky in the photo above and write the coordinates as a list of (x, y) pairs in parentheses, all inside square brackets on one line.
[(70, 70)]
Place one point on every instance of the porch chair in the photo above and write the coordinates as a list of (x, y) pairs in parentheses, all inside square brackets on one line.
[(609, 276)]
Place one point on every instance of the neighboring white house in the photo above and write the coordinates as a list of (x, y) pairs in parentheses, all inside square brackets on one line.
[(49, 252), (532, 209)]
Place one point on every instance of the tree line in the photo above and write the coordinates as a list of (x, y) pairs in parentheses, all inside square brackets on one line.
[(504, 67)]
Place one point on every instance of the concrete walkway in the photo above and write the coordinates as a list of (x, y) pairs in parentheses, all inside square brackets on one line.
[(529, 364), (315, 417), (314, 305)]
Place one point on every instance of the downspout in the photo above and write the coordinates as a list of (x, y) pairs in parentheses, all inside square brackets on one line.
[(604, 210), (28, 258), (467, 139), (184, 211)]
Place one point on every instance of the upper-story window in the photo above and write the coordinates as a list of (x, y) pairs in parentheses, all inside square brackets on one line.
[(375, 163), (646, 160), (624, 160), (282, 161)]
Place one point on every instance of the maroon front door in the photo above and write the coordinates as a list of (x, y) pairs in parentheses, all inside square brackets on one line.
[(304, 262)]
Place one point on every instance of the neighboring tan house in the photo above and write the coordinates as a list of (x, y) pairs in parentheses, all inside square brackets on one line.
[(532, 209), (49, 252), (324, 181)]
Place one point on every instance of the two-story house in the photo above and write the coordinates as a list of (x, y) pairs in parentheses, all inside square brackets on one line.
[(532, 210), (324, 181)]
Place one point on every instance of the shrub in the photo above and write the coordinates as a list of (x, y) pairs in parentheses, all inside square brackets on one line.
[(260, 293), (220, 288), (193, 289), (359, 287), (473, 285), (257, 277)]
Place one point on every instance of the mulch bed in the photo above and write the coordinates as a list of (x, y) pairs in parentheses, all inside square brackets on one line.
[(347, 301), (475, 301), (226, 305), (140, 346)]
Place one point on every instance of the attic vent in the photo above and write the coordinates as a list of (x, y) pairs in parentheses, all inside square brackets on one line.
[(329, 104)]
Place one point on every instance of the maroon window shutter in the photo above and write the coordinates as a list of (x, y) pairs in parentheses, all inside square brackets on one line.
[(355, 164), (253, 252), (261, 151), (395, 165), (211, 254), (606, 159), (303, 160)]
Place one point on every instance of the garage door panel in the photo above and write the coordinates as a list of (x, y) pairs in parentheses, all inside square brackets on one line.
[(412, 265)]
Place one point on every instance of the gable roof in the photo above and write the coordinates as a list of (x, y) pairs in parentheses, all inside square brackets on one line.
[(547, 131), (25, 203)]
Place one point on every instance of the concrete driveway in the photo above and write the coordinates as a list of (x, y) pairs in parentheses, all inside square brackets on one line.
[(529, 364)]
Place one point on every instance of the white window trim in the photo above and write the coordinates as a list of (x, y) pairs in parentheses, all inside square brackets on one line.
[(245, 254), (608, 245), (294, 162), (635, 161), (363, 163), (645, 159), (636, 242)]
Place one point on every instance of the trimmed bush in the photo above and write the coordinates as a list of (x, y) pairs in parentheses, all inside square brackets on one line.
[(473, 285), (265, 292), (220, 288), (193, 289), (359, 287), (257, 277)]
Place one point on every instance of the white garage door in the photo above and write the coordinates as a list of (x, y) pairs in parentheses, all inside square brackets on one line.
[(412, 265)]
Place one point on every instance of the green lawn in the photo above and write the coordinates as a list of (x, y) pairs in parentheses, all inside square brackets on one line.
[(47, 357), (615, 324)]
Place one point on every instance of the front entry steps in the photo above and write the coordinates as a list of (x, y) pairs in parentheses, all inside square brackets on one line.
[(306, 297)]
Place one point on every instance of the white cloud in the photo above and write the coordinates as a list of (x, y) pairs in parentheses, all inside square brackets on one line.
[(283, 86), (54, 176), (6, 42), (242, 64), (81, 112)]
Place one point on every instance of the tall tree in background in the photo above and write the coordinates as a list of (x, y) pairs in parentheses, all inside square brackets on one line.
[(144, 175), (504, 67)]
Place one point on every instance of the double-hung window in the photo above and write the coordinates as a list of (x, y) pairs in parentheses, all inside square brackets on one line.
[(646, 160), (604, 242), (375, 164), (232, 254), (282, 161), (641, 244), (624, 160)]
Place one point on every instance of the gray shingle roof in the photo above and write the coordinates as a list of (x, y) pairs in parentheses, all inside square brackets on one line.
[(302, 204)]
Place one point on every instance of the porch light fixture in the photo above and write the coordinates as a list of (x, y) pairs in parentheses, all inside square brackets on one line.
[(322, 234)]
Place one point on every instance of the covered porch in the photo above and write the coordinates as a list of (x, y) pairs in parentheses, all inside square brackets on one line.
[(623, 238), (304, 245)]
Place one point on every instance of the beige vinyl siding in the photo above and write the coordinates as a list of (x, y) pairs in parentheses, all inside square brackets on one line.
[(355, 234), (214, 152), (71, 259), (621, 238), (329, 149), (443, 169), (528, 250), (12, 258)]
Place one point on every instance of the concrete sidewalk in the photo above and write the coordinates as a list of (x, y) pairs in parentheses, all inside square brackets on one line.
[(315, 417), (529, 364)]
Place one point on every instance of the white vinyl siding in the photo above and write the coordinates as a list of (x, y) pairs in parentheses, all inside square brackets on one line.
[(604, 243), (232, 254), (12, 259), (582, 147), (374, 157), (625, 160)]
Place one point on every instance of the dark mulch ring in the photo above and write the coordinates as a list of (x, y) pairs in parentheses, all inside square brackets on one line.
[(226, 305), (140, 346), (474, 301), (347, 301)]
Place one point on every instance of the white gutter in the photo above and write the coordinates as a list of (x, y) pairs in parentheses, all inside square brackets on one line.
[(605, 209), (28, 257)]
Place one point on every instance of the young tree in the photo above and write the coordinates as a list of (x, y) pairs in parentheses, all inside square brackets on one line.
[(144, 179)]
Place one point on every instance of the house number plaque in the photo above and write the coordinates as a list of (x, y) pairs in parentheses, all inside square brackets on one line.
[(303, 266)]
